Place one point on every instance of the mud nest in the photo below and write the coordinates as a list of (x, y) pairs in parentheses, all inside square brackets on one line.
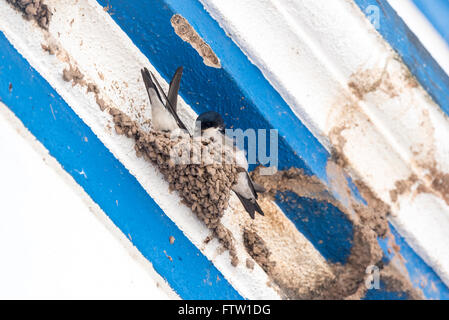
[(33, 10), (204, 185)]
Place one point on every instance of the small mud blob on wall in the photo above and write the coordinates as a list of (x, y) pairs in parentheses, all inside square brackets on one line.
[(258, 250), (33, 10), (73, 74), (186, 32)]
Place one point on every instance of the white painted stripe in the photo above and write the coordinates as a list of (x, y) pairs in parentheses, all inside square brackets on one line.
[(55, 242), (310, 51)]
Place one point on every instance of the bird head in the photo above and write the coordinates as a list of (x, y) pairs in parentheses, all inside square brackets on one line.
[(210, 119)]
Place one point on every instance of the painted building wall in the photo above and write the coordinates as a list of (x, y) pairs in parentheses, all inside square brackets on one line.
[(283, 66)]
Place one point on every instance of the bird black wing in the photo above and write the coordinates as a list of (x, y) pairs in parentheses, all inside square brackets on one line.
[(248, 205), (173, 90), (150, 82), (251, 206), (251, 185)]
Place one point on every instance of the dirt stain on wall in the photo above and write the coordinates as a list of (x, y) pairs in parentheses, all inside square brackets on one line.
[(425, 175), (348, 120), (440, 182)]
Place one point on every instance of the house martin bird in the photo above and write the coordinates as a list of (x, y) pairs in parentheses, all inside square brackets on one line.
[(164, 116), (211, 124)]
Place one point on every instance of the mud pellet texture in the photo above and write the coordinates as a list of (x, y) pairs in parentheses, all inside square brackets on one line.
[(33, 10)]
